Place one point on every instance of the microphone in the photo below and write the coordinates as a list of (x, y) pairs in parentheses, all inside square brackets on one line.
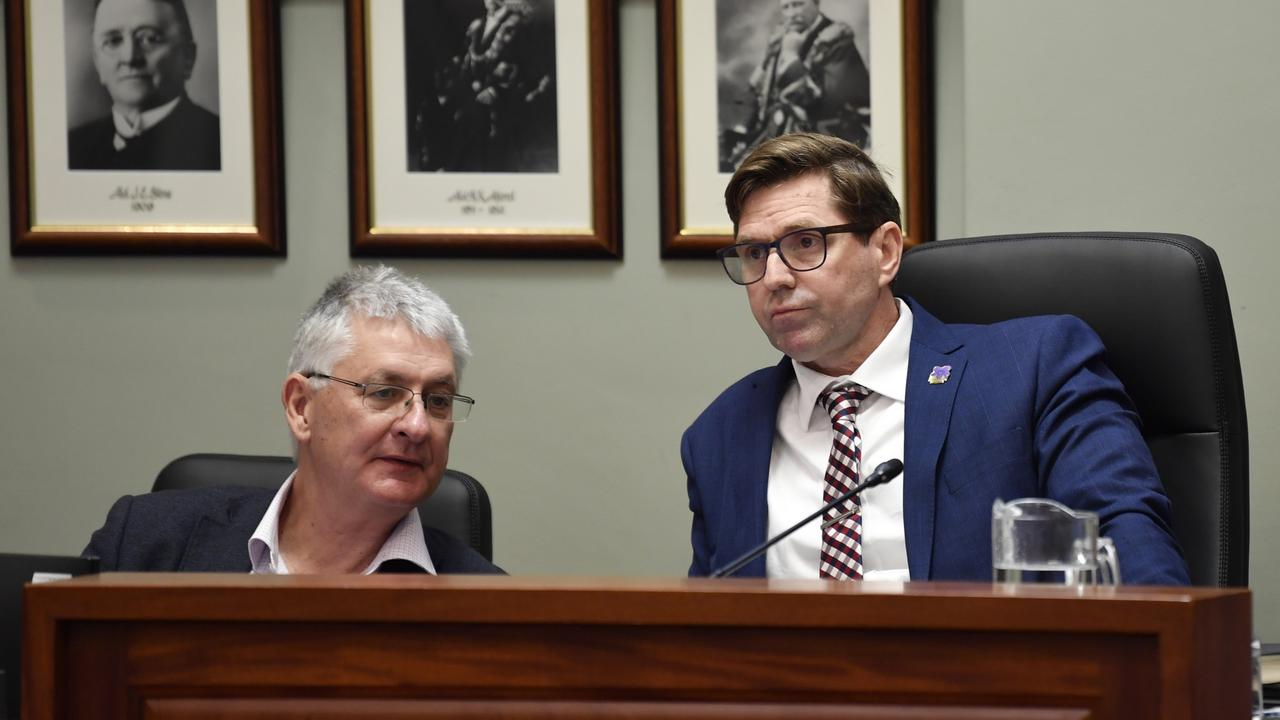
[(883, 473)]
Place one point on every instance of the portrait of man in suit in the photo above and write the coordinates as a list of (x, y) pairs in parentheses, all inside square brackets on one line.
[(1022, 408), (787, 66), (144, 53)]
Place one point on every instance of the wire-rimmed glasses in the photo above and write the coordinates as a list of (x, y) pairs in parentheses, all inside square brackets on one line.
[(394, 399), (801, 250)]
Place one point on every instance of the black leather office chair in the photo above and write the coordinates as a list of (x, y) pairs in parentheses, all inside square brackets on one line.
[(459, 506), (1160, 305)]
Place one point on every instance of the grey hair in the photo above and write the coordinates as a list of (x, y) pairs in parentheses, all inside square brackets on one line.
[(324, 334)]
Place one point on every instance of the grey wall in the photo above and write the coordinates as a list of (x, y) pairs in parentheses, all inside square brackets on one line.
[(585, 372), (1097, 115), (1153, 115)]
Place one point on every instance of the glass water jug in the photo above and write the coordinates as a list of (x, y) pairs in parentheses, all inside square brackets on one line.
[(1041, 540)]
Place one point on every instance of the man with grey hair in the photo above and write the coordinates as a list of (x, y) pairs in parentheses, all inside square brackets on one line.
[(370, 400)]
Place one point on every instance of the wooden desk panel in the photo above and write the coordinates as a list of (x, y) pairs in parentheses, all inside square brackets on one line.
[(234, 646)]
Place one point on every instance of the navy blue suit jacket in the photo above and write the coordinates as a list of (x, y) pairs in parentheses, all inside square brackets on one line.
[(1030, 410), (208, 530)]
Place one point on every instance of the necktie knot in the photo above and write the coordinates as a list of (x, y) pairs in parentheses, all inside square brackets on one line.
[(841, 400)]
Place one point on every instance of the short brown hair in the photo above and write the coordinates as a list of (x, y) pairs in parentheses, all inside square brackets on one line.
[(856, 183)]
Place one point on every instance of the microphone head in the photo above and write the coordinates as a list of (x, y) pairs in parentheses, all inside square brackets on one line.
[(884, 472)]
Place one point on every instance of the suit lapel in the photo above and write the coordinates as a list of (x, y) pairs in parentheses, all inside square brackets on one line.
[(928, 419), (220, 540), (759, 415)]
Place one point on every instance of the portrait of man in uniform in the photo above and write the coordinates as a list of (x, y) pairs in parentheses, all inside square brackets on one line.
[(140, 116), (790, 66), (480, 80)]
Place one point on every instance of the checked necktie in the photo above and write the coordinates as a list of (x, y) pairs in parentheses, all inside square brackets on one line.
[(841, 555)]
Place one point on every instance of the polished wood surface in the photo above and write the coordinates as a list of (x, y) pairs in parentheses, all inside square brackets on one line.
[(236, 646)]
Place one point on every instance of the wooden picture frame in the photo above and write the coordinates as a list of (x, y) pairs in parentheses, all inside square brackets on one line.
[(693, 72), (436, 170), (206, 177)]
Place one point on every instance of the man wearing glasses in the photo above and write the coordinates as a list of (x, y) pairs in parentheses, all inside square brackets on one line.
[(371, 402), (1024, 408)]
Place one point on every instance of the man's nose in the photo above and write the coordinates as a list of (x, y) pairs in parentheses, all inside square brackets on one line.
[(416, 423), (776, 273), (132, 52)]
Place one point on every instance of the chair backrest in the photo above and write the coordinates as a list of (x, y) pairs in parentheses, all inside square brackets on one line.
[(1159, 303), (459, 506)]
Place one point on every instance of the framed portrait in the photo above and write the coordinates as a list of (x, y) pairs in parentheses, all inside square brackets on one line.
[(483, 128), (145, 126), (735, 73)]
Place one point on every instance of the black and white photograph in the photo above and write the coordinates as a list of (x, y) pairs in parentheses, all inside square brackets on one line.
[(145, 127), (735, 73), (483, 128), (480, 86), (788, 66), (142, 85)]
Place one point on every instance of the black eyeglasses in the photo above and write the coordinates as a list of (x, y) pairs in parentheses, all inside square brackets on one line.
[(395, 400), (800, 250)]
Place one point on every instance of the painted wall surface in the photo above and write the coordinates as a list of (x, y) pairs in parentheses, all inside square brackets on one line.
[(1161, 116), (1086, 115)]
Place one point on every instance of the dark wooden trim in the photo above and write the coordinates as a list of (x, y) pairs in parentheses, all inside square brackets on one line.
[(917, 45), (121, 645)]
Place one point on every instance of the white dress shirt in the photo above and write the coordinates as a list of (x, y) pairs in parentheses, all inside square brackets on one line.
[(127, 130), (802, 445), (405, 542)]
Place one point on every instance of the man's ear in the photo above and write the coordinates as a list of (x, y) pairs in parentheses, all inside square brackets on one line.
[(887, 239), (296, 396)]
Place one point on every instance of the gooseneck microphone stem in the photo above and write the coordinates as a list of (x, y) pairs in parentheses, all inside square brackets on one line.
[(883, 473)]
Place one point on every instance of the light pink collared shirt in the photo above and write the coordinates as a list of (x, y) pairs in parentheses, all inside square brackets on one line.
[(802, 446), (405, 542)]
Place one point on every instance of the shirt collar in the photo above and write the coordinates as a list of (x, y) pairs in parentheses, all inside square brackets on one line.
[(884, 372), (406, 541), (147, 119)]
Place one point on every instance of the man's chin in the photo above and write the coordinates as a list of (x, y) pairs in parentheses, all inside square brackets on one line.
[(133, 95), (138, 99), (399, 492), (401, 479), (796, 348)]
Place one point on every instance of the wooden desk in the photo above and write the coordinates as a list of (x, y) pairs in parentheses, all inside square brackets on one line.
[(234, 646)]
